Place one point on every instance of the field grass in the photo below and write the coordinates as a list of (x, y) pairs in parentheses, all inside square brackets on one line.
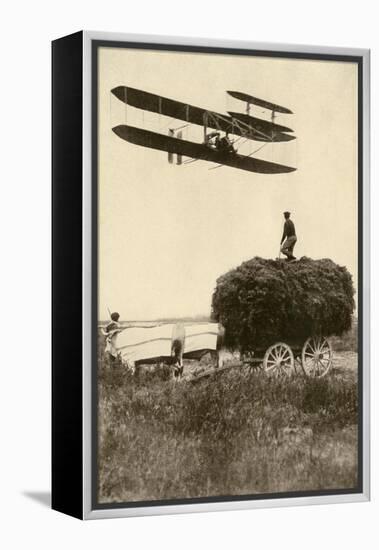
[(235, 433), (348, 341)]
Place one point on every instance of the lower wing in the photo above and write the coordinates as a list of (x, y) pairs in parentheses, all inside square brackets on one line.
[(153, 140)]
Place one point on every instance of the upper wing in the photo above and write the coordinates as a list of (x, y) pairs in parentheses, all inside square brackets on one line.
[(170, 144), (260, 102), (162, 105), (196, 115)]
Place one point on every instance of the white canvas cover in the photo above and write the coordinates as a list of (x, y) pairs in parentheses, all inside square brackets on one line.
[(135, 344), (200, 336)]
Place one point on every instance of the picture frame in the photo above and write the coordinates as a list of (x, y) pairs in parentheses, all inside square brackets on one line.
[(77, 85)]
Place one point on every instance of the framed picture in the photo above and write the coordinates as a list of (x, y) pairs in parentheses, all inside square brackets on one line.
[(210, 275)]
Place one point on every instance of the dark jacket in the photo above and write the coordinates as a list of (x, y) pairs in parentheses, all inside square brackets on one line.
[(289, 230)]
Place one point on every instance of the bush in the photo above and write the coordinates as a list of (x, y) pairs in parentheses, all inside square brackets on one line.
[(264, 301)]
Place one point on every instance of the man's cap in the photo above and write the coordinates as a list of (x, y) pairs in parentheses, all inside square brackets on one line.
[(115, 316), (286, 212)]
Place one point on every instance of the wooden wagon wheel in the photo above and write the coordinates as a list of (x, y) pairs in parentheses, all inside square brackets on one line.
[(316, 356), (279, 359)]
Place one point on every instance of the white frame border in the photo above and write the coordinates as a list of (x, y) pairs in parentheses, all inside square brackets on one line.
[(88, 512)]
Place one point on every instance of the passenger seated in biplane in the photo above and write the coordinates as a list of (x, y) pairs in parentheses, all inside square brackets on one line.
[(224, 144), (212, 140)]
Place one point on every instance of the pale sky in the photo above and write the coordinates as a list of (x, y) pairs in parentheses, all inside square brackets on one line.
[(167, 232)]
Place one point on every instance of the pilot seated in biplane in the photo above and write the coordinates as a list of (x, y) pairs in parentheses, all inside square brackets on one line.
[(226, 145), (221, 144)]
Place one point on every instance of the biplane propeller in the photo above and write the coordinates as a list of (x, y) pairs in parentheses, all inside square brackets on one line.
[(238, 124)]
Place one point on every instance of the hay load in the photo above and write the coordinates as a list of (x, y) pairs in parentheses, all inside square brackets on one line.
[(265, 301)]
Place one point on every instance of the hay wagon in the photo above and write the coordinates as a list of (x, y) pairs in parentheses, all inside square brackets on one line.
[(315, 357), (282, 313)]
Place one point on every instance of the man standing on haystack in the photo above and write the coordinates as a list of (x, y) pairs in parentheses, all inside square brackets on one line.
[(289, 238)]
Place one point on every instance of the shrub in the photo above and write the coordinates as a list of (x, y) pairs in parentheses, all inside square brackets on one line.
[(263, 301)]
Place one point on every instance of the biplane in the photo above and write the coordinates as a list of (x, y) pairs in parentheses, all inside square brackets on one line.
[(216, 148)]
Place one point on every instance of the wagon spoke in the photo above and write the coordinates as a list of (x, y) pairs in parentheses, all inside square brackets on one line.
[(320, 366), (325, 357), (325, 345), (310, 345), (326, 364)]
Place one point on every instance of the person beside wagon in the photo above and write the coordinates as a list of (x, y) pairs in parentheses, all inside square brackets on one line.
[(110, 332)]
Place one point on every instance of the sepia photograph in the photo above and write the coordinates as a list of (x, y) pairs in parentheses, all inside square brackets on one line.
[(228, 279)]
